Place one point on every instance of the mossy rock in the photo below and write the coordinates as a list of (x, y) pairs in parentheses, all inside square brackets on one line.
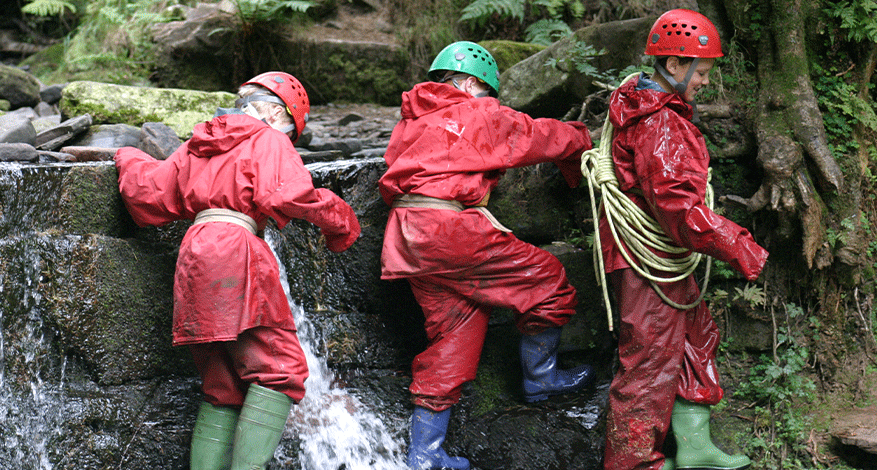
[(180, 109), (509, 53), (18, 87)]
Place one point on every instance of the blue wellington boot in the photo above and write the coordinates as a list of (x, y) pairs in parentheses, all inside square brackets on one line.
[(542, 378), (428, 429)]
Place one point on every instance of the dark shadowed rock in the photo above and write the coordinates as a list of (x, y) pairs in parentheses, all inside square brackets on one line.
[(52, 93), (158, 140), (109, 136), (18, 87)]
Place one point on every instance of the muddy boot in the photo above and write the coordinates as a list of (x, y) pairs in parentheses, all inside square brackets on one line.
[(428, 429), (695, 448), (212, 437), (542, 378), (259, 428)]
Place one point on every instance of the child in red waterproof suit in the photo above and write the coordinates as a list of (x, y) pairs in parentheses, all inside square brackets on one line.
[(449, 150), (237, 170), (667, 356)]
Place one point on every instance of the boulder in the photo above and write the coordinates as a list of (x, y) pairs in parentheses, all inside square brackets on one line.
[(194, 53), (204, 51), (543, 90), (17, 152), (55, 136), (106, 103), (16, 128), (158, 140), (509, 53), (18, 87)]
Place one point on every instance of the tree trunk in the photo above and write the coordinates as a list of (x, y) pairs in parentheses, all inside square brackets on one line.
[(788, 125)]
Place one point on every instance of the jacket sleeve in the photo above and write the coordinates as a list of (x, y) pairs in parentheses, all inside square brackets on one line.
[(525, 141), (284, 190), (672, 173), (149, 187)]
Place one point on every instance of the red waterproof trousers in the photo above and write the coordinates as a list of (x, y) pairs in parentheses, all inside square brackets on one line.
[(270, 357), (457, 306), (664, 353)]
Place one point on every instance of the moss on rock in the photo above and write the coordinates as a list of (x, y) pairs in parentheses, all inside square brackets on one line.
[(180, 109)]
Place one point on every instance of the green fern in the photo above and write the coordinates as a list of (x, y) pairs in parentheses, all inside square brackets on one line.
[(47, 7), (556, 8), (544, 19), (545, 32), (857, 17), (480, 11), (267, 11)]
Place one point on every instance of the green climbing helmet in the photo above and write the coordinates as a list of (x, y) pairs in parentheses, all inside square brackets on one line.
[(466, 57)]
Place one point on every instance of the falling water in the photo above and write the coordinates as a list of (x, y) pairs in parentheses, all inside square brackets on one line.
[(337, 431), (30, 410)]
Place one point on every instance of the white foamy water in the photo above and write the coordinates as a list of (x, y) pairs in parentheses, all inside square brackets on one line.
[(30, 409), (338, 431)]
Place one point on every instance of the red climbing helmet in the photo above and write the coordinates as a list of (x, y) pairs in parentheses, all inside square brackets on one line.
[(684, 33), (291, 91)]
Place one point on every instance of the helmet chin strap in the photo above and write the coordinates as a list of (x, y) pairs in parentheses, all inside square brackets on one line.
[(251, 110), (681, 87)]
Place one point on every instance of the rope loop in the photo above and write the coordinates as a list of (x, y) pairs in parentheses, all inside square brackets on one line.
[(639, 236)]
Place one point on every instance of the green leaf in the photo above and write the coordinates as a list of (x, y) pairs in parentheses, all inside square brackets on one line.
[(47, 7)]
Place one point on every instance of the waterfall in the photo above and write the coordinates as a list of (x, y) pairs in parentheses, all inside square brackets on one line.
[(337, 431), (31, 411)]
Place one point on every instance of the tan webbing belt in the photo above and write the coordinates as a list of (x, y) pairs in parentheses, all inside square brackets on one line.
[(416, 200), (227, 215)]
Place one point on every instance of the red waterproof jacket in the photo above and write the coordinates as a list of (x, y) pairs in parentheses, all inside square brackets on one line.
[(449, 145), (227, 278), (661, 162)]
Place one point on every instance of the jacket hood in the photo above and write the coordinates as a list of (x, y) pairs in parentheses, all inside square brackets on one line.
[(221, 134), (630, 103), (427, 97)]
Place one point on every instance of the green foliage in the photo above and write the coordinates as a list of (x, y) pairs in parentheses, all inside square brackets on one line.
[(547, 31), (251, 13), (842, 108), (48, 7), (751, 294), (545, 20), (580, 56), (723, 271), (112, 43), (480, 12), (778, 387), (857, 17)]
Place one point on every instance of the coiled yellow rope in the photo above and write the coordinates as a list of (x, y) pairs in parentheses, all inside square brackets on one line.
[(639, 232)]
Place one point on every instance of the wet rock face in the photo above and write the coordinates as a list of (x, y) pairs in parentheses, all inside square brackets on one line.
[(87, 308)]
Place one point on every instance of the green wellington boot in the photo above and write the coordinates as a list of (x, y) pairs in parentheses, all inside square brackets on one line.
[(669, 464), (695, 448), (212, 437), (260, 426)]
